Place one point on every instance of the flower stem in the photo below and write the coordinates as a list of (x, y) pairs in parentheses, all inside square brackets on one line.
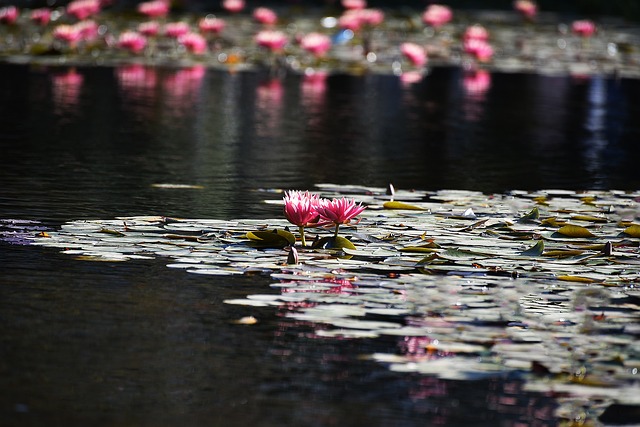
[(337, 227), (301, 229)]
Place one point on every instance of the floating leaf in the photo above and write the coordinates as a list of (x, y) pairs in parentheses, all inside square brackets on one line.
[(575, 231), (338, 242), (632, 230), (271, 239), (580, 279), (553, 222), (590, 218), (563, 253), (532, 215), (112, 232), (535, 250), (400, 205)]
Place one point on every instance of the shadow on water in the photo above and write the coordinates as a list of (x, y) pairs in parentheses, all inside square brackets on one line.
[(139, 344)]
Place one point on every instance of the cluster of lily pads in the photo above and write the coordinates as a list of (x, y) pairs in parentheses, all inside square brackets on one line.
[(351, 37), (543, 286)]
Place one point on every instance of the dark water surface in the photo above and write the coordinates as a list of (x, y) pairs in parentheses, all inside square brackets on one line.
[(136, 343)]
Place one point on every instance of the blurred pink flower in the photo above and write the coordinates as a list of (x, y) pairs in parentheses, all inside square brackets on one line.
[(354, 19), (154, 8), (211, 24), (478, 48), (436, 15), (149, 28), (414, 53), (371, 17), (339, 211), (88, 30), (40, 16), (9, 14), (300, 208), (271, 39), (176, 29), (583, 28), (67, 33), (476, 32), (526, 8), (354, 4), (233, 6), (82, 9), (132, 41), (265, 16), (194, 43), (316, 43)]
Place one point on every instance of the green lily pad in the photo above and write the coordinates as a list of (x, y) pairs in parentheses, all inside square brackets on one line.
[(333, 243), (400, 205), (575, 231), (535, 250), (271, 239)]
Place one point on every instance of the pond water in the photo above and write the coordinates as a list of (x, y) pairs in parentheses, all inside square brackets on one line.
[(136, 343)]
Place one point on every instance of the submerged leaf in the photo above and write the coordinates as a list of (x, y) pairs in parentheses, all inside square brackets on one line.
[(575, 231)]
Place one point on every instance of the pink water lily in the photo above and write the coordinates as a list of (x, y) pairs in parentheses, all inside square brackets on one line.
[(339, 211), (300, 208)]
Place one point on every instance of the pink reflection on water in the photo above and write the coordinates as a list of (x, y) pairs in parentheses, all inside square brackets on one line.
[(269, 105), (66, 88), (138, 87), (476, 83), (313, 88), (183, 88)]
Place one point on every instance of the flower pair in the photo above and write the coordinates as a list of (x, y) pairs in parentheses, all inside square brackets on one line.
[(308, 210)]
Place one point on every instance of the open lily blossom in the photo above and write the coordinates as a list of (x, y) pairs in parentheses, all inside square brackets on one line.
[(271, 39), (436, 15), (149, 28), (476, 32), (132, 41), (354, 4), (211, 25), (264, 15), (193, 42), (300, 208), (82, 9), (233, 6), (40, 16), (527, 8), (154, 9), (9, 14), (316, 43), (414, 53), (583, 28), (339, 211)]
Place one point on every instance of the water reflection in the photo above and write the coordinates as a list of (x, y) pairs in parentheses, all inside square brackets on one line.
[(66, 88)]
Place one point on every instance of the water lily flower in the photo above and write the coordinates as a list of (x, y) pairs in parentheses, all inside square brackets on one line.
[(476, 32), (436, 15), (316, 43), (300, 208), (67, 33), (9, 14), (88, 29), (339, 211), (479, 48), (272, 40), (233, 6), (40, 16), (82, 9), (583, 28), (354, 4), (211, 24), (193, 42), (414, 53), (154, 8), (176, 29), (149, 28), (264, 15), (132, 41), (526, 8)]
